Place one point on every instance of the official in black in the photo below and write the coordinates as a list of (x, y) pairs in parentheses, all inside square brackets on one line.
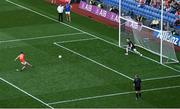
[(137, 86)]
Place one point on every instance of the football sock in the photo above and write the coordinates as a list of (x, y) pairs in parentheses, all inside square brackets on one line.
[(137, 95)]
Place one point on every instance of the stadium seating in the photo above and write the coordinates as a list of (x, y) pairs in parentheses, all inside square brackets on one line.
[(111, 2), (145, 11)]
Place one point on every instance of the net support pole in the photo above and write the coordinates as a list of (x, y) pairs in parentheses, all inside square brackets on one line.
[(119, 23), (161, 32)]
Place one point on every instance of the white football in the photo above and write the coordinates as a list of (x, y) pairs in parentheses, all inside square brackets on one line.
[(59, 56)]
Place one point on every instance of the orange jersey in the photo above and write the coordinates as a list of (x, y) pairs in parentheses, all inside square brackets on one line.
[(21, 58)]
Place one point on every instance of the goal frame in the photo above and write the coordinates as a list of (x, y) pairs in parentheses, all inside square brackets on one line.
[(161, 56)]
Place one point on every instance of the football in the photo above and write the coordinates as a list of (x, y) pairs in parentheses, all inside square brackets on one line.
[(59, 56)]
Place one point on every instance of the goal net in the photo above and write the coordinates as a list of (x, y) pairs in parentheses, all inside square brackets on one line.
[(148, 40)]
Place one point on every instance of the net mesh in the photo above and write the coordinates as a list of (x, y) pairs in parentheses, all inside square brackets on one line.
[(147, 39)]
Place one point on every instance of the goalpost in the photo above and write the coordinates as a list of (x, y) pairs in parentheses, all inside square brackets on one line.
[(158, 42)]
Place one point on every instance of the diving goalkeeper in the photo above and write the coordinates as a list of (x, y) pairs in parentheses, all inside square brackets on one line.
[(131, 47)]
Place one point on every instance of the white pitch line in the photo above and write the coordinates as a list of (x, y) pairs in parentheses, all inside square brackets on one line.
[(161, 64), (41, 37), (93, 61), (148, 79), (160, 78), (111, 95), (37, 99), (43, 15), (83, 32), (77, 40)]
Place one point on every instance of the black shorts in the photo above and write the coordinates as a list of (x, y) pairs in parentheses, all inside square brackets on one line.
[(132, 48), (137, 88)]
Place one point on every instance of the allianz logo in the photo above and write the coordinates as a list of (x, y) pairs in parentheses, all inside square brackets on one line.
[(167, 36)]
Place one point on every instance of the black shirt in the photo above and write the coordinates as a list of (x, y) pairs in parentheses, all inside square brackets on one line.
[(137, 82)]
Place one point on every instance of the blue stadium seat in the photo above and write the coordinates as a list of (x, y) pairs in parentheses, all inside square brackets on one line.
[(148, 12)]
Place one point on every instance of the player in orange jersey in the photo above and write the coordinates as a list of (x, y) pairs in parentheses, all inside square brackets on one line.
[(21, 58)]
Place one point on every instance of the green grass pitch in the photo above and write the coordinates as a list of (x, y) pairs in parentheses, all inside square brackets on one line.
[(93, 72)]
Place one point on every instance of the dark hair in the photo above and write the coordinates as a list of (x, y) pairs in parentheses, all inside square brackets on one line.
[(136, 76), (21, 52)]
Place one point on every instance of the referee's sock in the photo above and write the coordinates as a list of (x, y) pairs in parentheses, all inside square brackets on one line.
[(139, 94), (136, 95)]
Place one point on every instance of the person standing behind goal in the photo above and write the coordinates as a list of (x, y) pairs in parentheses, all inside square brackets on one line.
[(60, 9), (68, 11)]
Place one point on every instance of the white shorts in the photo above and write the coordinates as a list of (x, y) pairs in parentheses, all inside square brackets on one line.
[(67, 12), (131, 48), (24, 63)]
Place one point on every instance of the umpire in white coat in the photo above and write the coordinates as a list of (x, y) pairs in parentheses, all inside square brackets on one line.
[(60, 10)]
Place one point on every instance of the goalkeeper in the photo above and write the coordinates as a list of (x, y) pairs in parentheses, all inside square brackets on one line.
[(131, 47)]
